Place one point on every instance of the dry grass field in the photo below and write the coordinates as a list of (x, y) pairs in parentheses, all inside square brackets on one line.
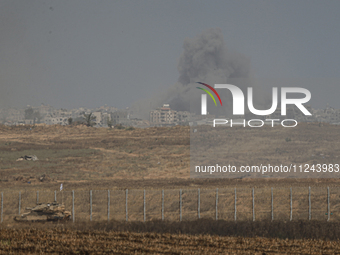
[(84, 156), (307, 144), (35, 241), (165, 238), (98, 159)]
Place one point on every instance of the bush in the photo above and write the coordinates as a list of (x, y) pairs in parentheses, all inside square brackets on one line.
[(119, 126)]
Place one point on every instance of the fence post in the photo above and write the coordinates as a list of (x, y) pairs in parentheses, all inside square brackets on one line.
[(2, 206), (309, 205), (291, 204), (162, 204), (55, 196), (216, 217), (19, 202), (90, 205), (253, 205), (180, 205), (108, 205), (328, 206), (37, 197), (235, 206), (144, 206), (126, 204), (73, 206), (272, 206), (199, 203)]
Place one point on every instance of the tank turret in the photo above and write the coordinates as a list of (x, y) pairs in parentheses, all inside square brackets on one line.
[(45, 212)]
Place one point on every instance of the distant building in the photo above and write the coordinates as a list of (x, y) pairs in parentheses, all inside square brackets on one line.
[(98, 116), (163, 115), (29, 122), (119, 117), (184, 116), (106, 116), (56, 121)]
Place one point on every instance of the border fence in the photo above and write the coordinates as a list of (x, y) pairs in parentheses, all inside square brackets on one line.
[(237, 204)]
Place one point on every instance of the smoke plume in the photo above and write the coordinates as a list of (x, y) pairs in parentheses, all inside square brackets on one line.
[(205, 59)]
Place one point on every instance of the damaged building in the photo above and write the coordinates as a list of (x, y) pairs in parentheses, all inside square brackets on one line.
[(166, 116)]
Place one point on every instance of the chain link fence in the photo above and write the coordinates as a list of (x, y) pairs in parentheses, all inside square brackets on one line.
[(237, 204)]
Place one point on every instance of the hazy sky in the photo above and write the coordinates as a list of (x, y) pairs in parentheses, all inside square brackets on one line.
[(89, 53)]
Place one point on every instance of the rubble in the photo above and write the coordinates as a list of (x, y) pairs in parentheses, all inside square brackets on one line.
[(44, 178), (28, 157)]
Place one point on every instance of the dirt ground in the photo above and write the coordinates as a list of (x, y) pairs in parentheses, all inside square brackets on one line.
[(85, 158), (38, 241), (82, 157)]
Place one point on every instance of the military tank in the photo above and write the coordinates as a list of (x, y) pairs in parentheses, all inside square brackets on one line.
[(45, 212)]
